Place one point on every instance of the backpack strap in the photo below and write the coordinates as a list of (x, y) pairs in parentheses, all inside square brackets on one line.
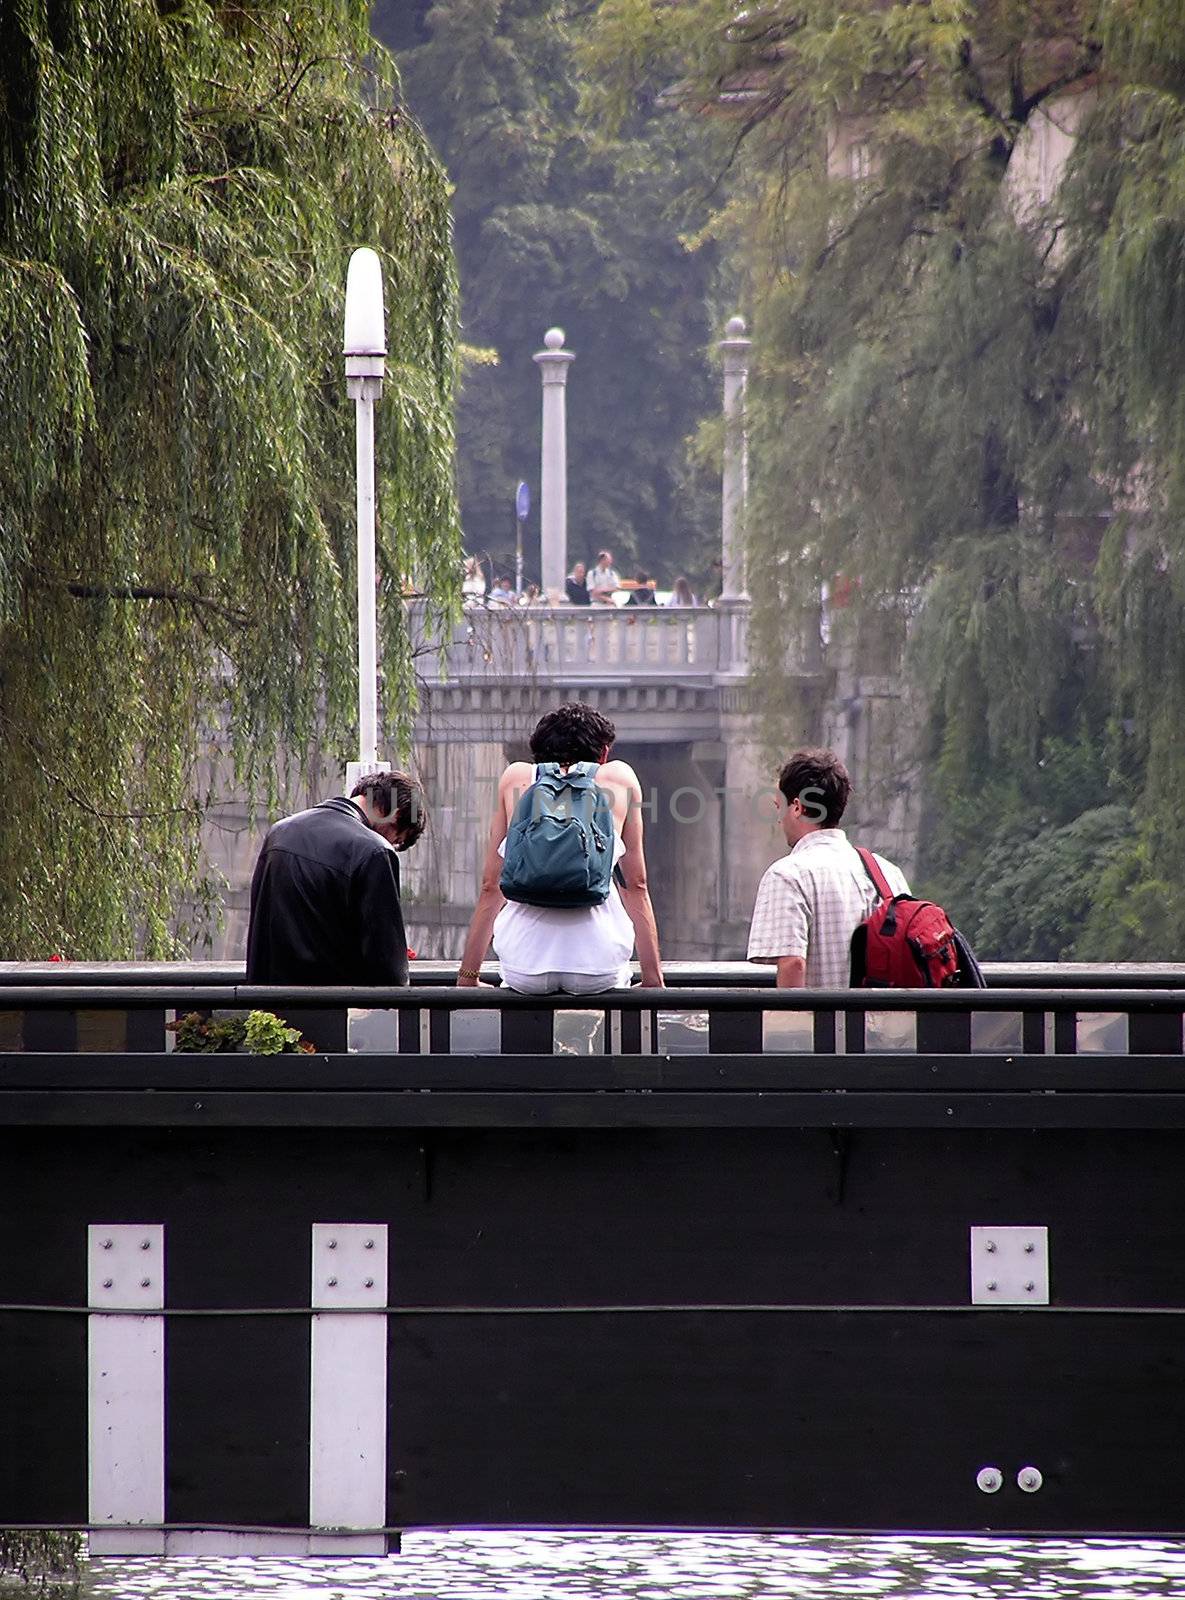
[(872, 867)]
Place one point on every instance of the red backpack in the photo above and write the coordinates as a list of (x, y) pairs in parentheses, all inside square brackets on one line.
[(903, 943)]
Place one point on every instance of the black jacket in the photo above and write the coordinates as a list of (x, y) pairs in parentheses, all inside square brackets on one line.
[(325, 902)]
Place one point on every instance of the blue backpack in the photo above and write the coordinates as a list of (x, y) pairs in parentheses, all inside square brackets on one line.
[(559, 850)]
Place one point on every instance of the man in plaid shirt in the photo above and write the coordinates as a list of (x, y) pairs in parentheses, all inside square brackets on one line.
[(811, 902)]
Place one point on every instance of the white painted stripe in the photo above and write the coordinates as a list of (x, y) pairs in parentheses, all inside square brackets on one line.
[(126, 1386), (348, 1389)]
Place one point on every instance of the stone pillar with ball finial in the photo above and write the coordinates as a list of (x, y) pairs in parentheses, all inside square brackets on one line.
[(734, 348), (553, 362)]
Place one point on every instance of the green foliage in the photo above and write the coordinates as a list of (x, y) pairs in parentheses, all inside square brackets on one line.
[(265, 1034), (199, 1033), (181, 187), (554, 226), (260, 1033), (967, 396)]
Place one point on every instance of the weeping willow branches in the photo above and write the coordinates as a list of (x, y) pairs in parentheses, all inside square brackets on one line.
[(180, 186), (962, 229)]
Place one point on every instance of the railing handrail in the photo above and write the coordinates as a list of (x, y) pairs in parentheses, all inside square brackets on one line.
[(680, 975), (327, 997)]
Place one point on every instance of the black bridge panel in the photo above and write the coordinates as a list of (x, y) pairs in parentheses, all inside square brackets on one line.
[(43, 1417), (553, 1355), (823, 1420)]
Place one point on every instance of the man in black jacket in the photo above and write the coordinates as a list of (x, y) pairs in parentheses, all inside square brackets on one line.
[(325, 892)]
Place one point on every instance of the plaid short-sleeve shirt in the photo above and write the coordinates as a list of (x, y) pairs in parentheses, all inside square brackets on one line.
[(812, 901)]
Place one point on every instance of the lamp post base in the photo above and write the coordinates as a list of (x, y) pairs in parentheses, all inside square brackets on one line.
[(357, 770)]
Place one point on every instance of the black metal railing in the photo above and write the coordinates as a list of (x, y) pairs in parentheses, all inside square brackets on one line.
[(118, 1012)]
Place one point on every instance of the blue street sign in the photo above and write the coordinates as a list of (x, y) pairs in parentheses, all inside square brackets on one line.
[(522, 502)]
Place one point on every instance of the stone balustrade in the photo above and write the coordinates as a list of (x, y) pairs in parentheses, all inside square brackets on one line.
[(598, 643)]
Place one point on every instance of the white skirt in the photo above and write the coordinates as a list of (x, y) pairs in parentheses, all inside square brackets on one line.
[(588, 939)]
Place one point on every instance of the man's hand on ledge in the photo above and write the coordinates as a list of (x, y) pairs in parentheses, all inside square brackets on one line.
[(652, 980)]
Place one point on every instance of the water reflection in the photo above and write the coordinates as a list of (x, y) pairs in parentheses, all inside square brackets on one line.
[(690, 1566)]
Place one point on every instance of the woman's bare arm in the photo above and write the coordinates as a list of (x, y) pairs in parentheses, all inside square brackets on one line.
[(490, 899), (635, 894)]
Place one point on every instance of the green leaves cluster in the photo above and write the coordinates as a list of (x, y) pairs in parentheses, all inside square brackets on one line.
[(967, 398), (259, 1033), (180, 187), (558, 224)]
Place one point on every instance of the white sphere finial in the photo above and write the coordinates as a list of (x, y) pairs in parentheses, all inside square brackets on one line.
[(735, 327), (553, 338)]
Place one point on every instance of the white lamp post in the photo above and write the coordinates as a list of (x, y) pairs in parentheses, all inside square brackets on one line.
[(365, 351)]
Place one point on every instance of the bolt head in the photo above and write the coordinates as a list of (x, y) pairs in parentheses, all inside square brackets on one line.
[(107, 1243), (146, 1244), (108, 1283), (989, 1479), (369, 1244), (333, 1244), (333, 1283), (1030, 1249), (990, 1247), (992, 1285), (369, 1283), (1029, 1287), (144, 1282)]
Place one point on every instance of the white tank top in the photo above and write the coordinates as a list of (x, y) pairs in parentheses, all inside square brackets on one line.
[(586, 939)]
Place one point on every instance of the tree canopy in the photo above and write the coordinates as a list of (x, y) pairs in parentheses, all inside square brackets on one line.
[(965, 402), (556, 226), (181, 183)]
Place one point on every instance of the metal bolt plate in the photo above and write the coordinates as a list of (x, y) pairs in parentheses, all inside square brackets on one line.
[(349, 1265), (1009, 1266), (126, 1266)]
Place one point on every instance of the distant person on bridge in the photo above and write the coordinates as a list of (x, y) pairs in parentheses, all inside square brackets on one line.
[(325, 893), (473, 582), (603, 580), (682, 594), (576, 585), (643, 591), (546, 948), (810, 903)]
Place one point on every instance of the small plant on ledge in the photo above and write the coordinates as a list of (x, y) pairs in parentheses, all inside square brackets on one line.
[(260, 1033)]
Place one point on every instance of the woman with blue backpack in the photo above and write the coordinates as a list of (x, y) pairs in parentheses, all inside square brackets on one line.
[(563, 890)]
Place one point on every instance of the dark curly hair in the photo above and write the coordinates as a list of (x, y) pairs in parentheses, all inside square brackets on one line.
[(573, 732), (395, 791), (820, 780)]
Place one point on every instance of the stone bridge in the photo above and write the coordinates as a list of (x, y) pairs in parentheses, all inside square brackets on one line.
[(675, 682)]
